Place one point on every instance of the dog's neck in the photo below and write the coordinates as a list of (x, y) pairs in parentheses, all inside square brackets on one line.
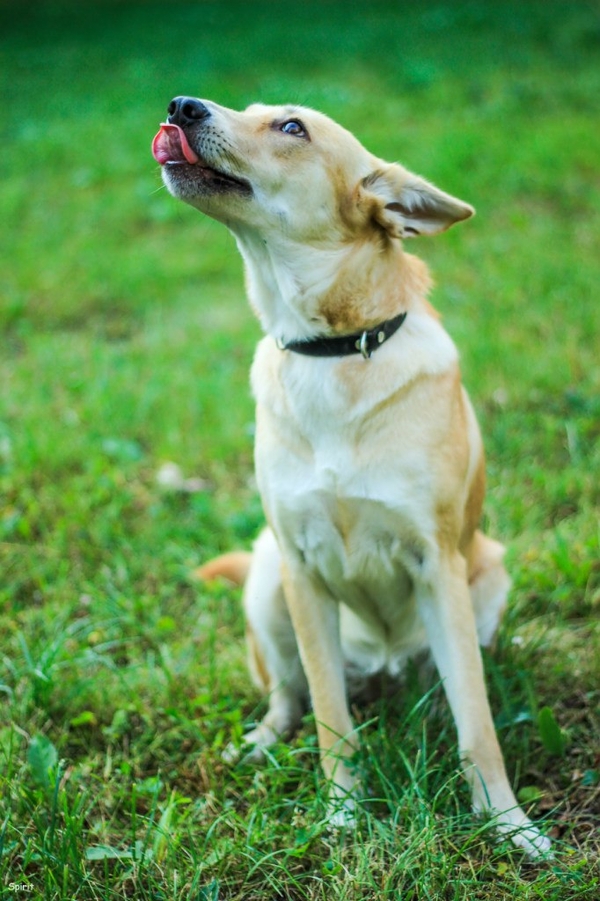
[(300, 291)]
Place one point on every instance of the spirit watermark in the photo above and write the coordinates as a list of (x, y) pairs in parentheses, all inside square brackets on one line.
[(20, 887)]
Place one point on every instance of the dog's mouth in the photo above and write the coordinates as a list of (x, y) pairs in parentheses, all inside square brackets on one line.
[(171, 148), (171, 145)]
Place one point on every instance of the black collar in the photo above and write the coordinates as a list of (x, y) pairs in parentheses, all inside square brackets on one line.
[(359, 343)]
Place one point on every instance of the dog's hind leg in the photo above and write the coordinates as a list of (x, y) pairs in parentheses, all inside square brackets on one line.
[(273, 656), (489, 584)]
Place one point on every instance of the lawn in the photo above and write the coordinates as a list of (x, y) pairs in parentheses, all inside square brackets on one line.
[(125, 345)]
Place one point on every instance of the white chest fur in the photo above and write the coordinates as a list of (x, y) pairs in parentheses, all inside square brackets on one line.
[(360, 518)]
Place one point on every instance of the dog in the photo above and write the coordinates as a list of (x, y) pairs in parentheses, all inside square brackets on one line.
[(369, 459)]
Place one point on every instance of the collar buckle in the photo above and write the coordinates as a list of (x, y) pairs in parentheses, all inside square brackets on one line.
[(363, 346)]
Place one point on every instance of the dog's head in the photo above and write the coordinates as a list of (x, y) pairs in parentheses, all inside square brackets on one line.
[(291, 171)]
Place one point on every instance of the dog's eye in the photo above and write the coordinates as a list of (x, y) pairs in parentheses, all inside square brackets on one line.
[(293, 127)]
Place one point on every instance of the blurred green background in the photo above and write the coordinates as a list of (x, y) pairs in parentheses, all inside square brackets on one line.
[(126, 341)]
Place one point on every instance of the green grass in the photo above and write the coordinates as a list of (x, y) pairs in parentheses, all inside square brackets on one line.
[(126, 343)]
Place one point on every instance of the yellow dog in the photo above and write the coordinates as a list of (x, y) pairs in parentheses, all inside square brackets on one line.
[(368, 455)]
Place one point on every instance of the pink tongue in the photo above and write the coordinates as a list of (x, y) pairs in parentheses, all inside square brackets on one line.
[(171, 146)]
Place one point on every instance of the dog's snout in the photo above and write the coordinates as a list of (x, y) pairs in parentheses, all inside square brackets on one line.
[(186, 111)]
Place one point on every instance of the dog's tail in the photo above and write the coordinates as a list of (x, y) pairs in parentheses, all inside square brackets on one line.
[(233, 567)]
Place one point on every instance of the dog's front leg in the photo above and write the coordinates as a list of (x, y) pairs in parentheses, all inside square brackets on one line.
[(446, 609), (315, 617)]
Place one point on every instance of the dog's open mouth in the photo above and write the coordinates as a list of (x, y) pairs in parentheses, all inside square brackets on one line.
[(171, 147)]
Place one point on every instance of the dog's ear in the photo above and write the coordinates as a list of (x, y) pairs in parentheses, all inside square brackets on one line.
[(407, 205)]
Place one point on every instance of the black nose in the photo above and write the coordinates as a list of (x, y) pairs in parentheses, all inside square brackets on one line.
[(186, 111)]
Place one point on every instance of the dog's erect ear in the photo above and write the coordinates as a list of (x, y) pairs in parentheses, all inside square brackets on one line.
[(407, 205)]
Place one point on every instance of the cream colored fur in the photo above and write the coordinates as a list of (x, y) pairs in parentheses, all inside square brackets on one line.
[(370, 471)]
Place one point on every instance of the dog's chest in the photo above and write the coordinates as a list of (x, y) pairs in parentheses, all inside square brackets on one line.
[(343, 475), (356, 520), (354, 525), (367, 549), (347, 484)]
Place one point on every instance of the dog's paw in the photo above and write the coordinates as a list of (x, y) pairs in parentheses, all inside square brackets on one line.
[(517, 827), (232, 753), (531, 841), (247, 752), (341, 813), (252, 747)]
